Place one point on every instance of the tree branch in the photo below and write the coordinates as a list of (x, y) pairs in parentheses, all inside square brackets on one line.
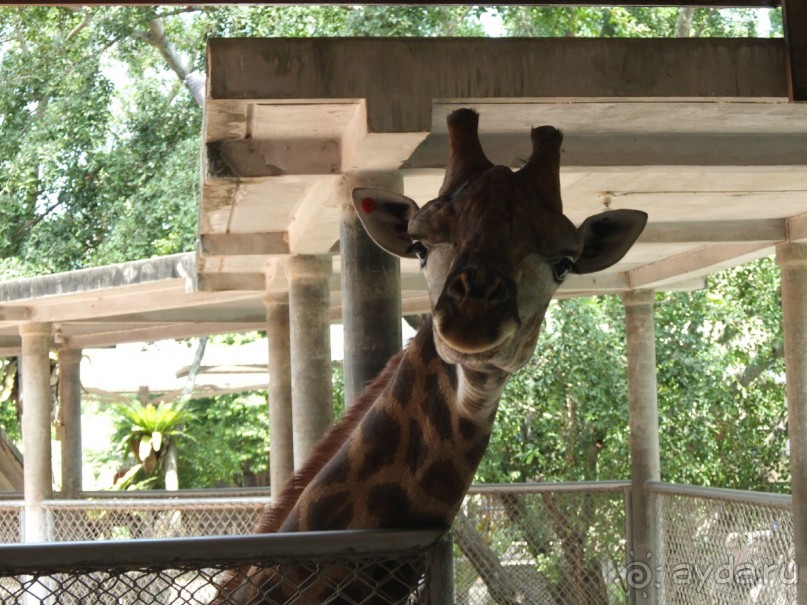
[(192, 80), (683, 24)]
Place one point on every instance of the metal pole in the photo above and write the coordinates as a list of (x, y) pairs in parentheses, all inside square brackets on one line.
[(281, 442), (792, 260), (644, 441), (70, 420), (309, 322), (441, 572), (371, 294)]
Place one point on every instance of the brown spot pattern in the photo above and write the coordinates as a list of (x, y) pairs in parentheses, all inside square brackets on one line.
[(436, 409), (381, 436), (389, 503), (330, 512), (417, 450), (337, 470), (468, 428), (404, 383), (442, 481)]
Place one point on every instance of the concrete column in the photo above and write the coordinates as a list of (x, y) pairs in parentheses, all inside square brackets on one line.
[(309, 335), (792, 259), (281, 442), (70, 420), (644, 443), (371, 294), (36, 409)]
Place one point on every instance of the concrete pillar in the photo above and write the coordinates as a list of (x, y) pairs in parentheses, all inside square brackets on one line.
[(309, 335), (36, 409), (792, 259), (371, 294), (281, 442), (70, 420), (644, 443)]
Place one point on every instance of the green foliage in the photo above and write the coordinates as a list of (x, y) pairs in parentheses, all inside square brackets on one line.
[(146, 432), (567, 406), (231, 437), (720, 390), (9, 421), (632, 22)]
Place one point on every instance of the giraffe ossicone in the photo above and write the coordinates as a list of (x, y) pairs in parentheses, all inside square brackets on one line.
[(494, 246)]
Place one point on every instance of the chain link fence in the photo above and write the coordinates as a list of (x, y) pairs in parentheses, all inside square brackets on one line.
[(540, 544), (11, 521), (543, 544), (89, 520), (380, 567), (724, 547)]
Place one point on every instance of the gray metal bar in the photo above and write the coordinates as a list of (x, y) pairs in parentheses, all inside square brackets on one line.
[(537, 488), (441, 572), (719, 493), (179, 503), (22, 559)]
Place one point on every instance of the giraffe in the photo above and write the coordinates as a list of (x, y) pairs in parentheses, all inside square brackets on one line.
[(494, 246)]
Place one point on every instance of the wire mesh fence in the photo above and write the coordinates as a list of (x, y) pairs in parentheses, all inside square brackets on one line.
[(538, 544), (542, 544), (89, 520), (381, 567), (724, 547), (11, 521)]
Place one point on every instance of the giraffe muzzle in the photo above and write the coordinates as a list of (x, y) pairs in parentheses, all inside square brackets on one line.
[(477, 310)]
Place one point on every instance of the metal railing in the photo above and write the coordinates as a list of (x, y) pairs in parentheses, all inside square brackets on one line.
[(537, 543), (721, 546), (304, 568)]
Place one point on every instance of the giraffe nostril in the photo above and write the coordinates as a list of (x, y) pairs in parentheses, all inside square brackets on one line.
[(480, 285)]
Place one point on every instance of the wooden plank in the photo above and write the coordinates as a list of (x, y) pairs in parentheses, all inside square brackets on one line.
[(794, 14), (400, 77), (219, 244)]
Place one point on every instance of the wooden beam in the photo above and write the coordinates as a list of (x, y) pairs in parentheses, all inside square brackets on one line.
[(400, 77), (694, 263), (797, 228), (222, 244), (794, 16), (158, 332), (10, 313), (694, 232)]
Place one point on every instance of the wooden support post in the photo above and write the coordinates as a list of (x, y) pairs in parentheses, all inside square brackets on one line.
[(794, 16), (70, 420), (644, 439), (36, 407), (792, 260), (309, 325), (371, 294), (281, 457)]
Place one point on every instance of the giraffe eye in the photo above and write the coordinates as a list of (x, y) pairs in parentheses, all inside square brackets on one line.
[(418, 249), (562, 268)]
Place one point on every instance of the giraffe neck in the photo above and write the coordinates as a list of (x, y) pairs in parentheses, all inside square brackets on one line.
[(413, 455)]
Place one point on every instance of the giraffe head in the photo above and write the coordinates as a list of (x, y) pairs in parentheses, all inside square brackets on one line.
[(494, 245)]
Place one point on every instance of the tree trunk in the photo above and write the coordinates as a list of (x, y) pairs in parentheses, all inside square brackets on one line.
[(486, 563), (683, 26)]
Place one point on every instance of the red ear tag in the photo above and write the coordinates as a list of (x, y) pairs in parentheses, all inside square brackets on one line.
[(368, 205)]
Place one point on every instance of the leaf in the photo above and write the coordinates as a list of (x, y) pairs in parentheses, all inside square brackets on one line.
[(144, 449), (156, 440)]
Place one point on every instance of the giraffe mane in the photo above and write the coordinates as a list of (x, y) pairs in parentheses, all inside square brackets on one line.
[(324, 450), (274, 515)]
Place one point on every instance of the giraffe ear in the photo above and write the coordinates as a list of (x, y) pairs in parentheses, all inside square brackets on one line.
[(607, 237), (385, 216)]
